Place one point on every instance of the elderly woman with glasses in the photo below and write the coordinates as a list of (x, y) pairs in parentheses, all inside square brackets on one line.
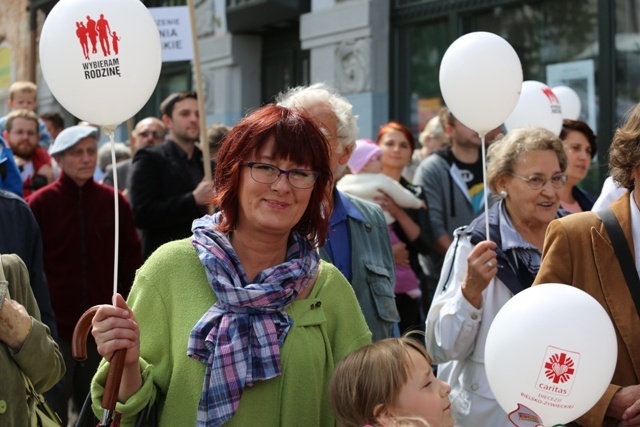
[(481, 273), (242, 323)]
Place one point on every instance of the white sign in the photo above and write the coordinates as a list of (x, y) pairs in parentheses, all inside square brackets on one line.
[(579, 76), (175, 32)]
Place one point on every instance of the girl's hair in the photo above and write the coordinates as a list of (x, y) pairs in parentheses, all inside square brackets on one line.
[(370, 376), (405, 422)]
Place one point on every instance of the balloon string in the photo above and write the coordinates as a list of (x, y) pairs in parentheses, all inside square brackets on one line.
[(485, 192), (116, 212)]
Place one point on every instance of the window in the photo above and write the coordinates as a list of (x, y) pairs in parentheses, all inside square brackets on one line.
[(544, 33)]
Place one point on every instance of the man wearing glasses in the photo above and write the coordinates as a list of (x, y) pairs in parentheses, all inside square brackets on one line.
[(148, 132)]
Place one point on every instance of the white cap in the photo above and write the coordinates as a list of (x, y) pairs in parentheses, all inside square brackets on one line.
[(70, 137)]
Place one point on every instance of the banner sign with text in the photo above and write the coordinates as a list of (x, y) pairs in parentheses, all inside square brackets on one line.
[(175, 32)]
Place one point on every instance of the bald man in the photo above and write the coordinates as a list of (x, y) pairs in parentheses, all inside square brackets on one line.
[(148, 132)]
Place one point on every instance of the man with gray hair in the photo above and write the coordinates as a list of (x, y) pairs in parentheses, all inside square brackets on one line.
[(77, 223), (358, 242)]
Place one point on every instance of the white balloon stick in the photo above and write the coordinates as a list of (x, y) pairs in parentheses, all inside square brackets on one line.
[(484, 183), (110, 131)]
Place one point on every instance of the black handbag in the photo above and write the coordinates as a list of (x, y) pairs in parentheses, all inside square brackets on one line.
[(147, 417)]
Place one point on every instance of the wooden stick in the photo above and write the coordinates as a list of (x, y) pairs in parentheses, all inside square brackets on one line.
[(116, 364), (204, 144)]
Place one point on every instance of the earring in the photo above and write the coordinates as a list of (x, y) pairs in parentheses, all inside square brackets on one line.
[(503, 194)]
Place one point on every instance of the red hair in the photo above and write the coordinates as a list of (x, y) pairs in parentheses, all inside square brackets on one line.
[(298, 139), (391, 126)]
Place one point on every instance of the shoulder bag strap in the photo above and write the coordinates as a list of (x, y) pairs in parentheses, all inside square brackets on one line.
[(2, 276), (621, 248), (4, 285)]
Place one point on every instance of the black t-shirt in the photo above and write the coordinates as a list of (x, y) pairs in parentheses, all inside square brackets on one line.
[(471, 174)]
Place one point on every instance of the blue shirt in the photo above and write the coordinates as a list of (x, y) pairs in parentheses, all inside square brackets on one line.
[(338, 244), (10, 179)]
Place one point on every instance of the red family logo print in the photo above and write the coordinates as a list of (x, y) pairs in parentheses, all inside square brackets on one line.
[(93, 34), (559, 371), (553, 100), (97, 31)]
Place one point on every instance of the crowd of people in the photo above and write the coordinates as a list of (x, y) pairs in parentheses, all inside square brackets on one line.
[(319, 277)]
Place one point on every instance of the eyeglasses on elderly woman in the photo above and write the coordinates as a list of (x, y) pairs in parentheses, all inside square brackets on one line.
[(536, 182), (266, 173)]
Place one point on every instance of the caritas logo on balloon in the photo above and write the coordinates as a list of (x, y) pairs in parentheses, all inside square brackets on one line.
[(558, 371), (555, 381)]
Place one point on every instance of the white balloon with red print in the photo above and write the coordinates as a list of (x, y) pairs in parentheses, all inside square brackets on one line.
[(101, 59), (550, 354)]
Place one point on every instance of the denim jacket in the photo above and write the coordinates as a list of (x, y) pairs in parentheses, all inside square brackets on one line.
[(372, 268)]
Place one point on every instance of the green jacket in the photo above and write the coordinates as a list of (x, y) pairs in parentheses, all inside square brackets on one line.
[(39, 357), (171, 293)]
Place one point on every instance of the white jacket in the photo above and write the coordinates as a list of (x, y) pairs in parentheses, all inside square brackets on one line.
[(456, 333)]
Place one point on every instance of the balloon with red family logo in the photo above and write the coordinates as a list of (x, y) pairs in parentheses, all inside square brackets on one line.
[(101, 59), (537, 106), (550, 355), (480, 79)]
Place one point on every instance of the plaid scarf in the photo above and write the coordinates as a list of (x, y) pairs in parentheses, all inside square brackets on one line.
[(240, 336)]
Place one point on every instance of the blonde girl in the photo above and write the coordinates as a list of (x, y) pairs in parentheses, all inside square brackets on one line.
[(389, 381)]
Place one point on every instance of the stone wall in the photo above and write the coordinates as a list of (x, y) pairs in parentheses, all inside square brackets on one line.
[(14, 33)]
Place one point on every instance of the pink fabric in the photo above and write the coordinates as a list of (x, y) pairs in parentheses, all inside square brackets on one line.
[(406, 279), (362, 154)]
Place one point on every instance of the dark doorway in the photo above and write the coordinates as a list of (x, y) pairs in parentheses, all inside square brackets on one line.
[(284, 63)]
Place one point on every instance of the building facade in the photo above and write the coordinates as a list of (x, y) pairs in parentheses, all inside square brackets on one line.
[(384, 55)]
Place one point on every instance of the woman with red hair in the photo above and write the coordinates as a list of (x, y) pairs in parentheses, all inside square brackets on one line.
[(412, 225), (243, 321)]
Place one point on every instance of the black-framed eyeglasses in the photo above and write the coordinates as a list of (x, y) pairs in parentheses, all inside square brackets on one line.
[(265, 173), (536, 182)]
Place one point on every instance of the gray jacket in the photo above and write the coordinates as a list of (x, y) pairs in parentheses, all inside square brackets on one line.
[(449, 204), (372, 268)]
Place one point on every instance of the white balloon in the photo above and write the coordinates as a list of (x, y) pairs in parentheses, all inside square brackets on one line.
[(537, 106), (480, 80), (101, 70), (551, 348), (570, 102)]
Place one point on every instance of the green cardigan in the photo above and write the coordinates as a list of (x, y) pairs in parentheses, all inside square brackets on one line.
[(39, 357), (171, 293)]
